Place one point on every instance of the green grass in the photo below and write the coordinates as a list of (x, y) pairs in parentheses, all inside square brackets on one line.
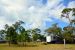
[(39, 47)]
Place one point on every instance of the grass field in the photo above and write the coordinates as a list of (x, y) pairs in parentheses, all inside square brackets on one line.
[(39, 47)]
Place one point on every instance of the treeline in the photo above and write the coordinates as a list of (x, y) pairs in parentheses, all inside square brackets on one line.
[(16, 33)]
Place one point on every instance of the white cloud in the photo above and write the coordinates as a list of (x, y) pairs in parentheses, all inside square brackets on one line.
[(57, 11), (32, 12), (71, 4), (53, 3)]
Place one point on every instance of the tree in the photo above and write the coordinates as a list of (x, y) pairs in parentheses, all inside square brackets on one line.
[(2, 31), (23, 36), (66, 12), (12, 32), (12, 35), (7, 33), (68, 31), (68, 36), (35, 34), (41, 37), (54, 29)]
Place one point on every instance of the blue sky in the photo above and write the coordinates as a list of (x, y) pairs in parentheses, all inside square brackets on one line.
[(60, 23), (35, 13)]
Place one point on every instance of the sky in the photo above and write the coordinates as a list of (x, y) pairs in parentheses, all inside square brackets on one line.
[(35, 13)]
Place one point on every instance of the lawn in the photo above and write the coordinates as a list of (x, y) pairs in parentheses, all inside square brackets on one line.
[(39, 47)]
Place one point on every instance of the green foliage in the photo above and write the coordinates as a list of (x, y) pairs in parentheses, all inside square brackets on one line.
[(17, 33), (66, 10), (11, 35), (35, 34), (68, 37), (54, 29), (24, 37), (35, 37), (12, 32)]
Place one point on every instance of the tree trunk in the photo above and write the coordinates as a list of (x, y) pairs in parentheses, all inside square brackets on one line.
[(9, 43), (64, 43)]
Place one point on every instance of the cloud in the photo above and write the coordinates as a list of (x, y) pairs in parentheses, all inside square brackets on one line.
[(71, 4), (33, 12)]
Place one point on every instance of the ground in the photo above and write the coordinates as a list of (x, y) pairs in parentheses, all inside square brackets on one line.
[(39, 47)]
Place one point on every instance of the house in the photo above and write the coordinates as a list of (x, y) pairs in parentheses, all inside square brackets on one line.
[(50, 38)]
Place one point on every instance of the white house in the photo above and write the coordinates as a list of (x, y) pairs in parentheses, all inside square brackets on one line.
[(50, 38)]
